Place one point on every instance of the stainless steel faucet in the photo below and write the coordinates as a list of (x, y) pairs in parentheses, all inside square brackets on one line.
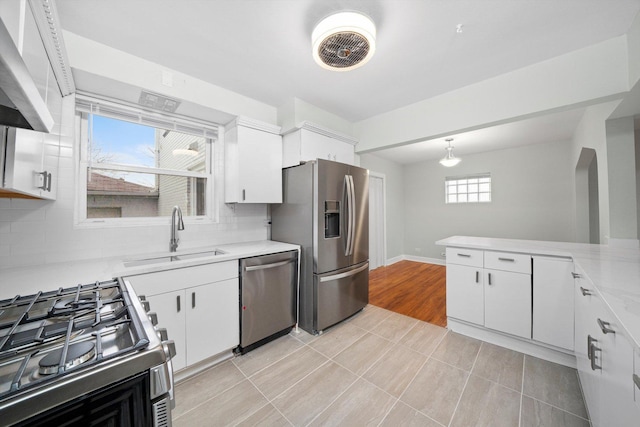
[(173, 244)]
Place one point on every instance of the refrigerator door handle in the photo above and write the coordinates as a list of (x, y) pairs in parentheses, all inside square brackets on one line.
[(353, 215), (351, 218), (345, 274), (348, 207)]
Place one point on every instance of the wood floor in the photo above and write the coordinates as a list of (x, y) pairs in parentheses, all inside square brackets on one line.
[(411, 288)]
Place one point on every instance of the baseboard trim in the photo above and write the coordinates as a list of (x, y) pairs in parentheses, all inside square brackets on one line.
[(414, 258), (531, 348)]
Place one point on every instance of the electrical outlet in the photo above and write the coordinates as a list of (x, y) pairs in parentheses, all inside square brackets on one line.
[(443, 254)]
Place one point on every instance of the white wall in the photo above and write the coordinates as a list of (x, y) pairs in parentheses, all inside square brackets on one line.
[(93, 58), (295, 111), (532, 188), (35, 232), (579, 78), (591, 133), (394, 204), (623, 209)]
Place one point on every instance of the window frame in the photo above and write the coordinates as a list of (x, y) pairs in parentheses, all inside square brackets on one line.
[(208, 131), (449, 179)]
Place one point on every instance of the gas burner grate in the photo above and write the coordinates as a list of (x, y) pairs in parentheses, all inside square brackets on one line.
[(48, 329)]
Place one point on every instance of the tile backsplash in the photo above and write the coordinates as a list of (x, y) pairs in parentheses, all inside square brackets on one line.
[(36, 232)]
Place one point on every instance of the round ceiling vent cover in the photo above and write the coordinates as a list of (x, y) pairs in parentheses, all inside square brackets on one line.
[(343, 41)]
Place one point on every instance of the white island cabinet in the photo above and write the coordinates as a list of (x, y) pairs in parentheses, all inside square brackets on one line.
[(553, 320), (584, 314), (605, 359), (253, 162), (490, 289), (465, 289), (199, 307), (507, 294)]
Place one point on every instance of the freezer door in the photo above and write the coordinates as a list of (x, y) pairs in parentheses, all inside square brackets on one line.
[(331, 220), (340, 294), (268, 289)]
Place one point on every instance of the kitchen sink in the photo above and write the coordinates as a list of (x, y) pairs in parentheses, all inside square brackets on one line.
[(172, 258)]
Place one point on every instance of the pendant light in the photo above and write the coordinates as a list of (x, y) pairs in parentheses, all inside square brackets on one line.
[(449, 160)]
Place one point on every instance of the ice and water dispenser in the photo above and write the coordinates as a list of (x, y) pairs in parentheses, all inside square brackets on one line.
[(331, 219)]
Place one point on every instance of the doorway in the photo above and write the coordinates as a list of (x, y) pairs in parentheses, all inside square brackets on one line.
[(377, 238), (587, 200)]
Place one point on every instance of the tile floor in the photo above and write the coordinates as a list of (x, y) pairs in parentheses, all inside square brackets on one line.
[(382, 369)]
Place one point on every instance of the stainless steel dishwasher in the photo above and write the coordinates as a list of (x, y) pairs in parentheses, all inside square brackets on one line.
[(268, 289)]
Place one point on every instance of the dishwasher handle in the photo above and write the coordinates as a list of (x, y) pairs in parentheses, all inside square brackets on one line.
[(266, 266)]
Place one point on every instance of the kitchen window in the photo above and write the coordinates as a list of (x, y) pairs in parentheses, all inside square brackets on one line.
[(136, 164), (468, 189)]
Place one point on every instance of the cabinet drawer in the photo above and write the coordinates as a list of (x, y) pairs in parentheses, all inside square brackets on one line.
[(506, 261), (459, 256), (181, 278)]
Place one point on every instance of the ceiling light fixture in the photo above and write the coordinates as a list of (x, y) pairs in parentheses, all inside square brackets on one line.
[(449, 160), (344, 41)]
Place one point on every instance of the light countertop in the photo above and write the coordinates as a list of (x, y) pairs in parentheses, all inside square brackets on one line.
[(615, 272), (29, 280)]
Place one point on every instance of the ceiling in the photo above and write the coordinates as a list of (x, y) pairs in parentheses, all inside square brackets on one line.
[(262, 48)]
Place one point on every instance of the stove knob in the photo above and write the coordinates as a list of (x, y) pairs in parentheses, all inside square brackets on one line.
[(162, 334), (146, 305), (153, 317), (169, 348)]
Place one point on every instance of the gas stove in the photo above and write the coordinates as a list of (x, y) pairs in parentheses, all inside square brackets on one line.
[(68, 347)]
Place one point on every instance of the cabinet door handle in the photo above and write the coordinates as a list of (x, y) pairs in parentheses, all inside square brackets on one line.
[(464, 255), (477, 276), (507, 259), (193, 300), (178, 303), (585, 292), (594, 365), (576, 275), (243, 194), (489, 277), (590, 341), (44, 174), (636, 380), (48, 180), (605, 326)]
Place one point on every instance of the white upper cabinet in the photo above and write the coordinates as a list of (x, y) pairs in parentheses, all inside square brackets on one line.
[(253, 162), (31, 162), (309, 142)]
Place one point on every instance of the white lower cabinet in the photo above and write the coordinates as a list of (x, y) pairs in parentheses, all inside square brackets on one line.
[(497, 298), (212, 319), (171, 314), (553, 301), (507, 302), (605, 359), (199, 306), (465, 293)]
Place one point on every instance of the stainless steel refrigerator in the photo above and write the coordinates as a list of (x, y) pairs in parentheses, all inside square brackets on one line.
[(325, 210)]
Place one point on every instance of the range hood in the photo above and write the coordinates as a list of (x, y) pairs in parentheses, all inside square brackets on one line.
[(20, 102)]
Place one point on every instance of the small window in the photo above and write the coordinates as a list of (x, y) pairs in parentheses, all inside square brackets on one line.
[(468, 189), (135, 164)]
